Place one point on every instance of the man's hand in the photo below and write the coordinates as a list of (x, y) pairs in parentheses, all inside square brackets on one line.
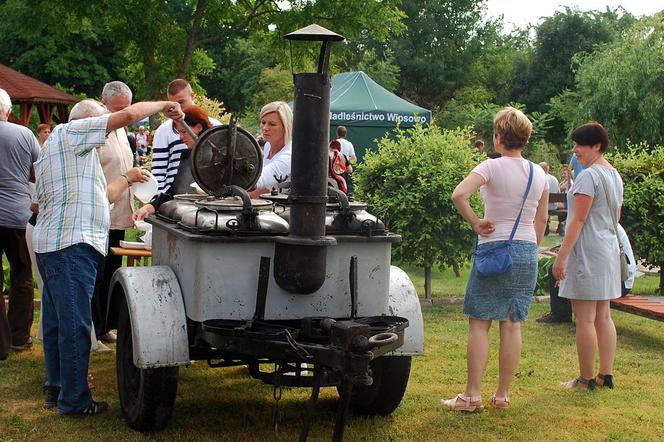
[(146, 210), (138, 175), (34, 208), (173, 111)]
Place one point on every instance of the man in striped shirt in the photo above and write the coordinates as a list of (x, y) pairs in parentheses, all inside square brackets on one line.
[(70, 240), (167, 147)]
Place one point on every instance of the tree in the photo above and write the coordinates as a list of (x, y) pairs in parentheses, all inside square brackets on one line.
[(85, 55), (158, 40), (558, 40), (621, 85), (434, 50), (409, 183), (497, 57)]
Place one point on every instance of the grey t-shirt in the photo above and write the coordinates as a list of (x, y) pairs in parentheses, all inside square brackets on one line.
[(593, 266), (18, 150)]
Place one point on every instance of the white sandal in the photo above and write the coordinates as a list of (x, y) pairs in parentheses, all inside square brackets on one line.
[(463, 403)]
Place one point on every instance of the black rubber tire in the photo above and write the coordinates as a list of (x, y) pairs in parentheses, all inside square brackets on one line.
[(147, 396), (390, 379)]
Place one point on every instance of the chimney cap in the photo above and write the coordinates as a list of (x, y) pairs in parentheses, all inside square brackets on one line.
[(314, 32)]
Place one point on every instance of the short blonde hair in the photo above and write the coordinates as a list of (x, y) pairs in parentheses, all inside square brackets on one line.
[(513, 126), (285, 115)]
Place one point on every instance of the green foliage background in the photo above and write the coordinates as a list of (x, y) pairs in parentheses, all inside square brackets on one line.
[(642, 171), (409, 183)]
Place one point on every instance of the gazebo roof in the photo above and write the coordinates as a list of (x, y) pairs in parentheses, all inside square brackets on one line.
[(24, 89)]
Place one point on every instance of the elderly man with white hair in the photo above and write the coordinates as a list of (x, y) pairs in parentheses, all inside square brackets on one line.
[(116, 158), (18, 150), (70, 239)]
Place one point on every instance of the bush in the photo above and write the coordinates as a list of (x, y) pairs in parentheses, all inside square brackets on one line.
[(543, 267), (642, 171), (409, 183)]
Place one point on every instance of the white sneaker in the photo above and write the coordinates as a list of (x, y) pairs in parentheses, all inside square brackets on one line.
[(99, 347)]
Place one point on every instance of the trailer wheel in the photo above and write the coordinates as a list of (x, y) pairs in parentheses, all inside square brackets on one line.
[(390, 379), (147, 396)]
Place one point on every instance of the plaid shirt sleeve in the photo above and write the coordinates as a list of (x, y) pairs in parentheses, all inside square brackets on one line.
[(86, 134)]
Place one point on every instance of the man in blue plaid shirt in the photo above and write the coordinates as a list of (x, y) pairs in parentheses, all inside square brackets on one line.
[(70, 240)]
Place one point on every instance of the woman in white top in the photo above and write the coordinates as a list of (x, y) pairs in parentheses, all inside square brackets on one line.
[(276, 120), (505, 297)]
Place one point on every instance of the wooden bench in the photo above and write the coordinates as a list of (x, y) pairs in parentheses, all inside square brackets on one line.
[(638, 305)]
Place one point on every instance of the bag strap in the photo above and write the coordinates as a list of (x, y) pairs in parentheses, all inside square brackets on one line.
[(525, 195), (611, 210)]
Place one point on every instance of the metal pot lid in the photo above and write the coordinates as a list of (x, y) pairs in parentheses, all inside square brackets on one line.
[(211, 163), (282, 199), (232, 204), (189, 196)]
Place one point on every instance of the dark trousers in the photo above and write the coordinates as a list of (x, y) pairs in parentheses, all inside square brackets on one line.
[(106, 269), (561, 308), (15, 325)]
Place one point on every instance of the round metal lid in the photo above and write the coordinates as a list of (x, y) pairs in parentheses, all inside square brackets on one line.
[(211, 157), (232, 204), (282, 198), (189, 196)]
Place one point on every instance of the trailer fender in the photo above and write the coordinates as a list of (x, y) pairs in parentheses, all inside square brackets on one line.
[(403, 301), (157, 314)]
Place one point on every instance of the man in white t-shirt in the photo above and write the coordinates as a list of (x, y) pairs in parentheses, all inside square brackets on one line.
[(348, 150), (167, 147), (347, 147)]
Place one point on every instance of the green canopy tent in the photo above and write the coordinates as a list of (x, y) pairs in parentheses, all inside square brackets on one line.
[(369, 111)]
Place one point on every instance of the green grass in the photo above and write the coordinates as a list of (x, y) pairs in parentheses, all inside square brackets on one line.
[(225, 404)]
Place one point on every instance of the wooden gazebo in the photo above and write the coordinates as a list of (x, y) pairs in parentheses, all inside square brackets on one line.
[(28, 92)]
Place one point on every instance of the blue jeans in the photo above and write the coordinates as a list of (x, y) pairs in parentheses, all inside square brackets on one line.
[(69, 281)]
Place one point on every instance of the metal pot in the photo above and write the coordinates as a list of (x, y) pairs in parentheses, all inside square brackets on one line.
[(353, 220), (228, 216)]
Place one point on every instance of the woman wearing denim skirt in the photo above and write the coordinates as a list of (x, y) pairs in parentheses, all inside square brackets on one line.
[(506, 297)]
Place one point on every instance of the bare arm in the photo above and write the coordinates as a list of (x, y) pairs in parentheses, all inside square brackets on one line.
[(542, 215), (116, 188), (144, 212), (461, 198), (582, 205), (138, 111), (256, 193)]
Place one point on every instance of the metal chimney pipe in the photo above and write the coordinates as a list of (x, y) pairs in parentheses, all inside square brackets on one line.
[(300, 258)]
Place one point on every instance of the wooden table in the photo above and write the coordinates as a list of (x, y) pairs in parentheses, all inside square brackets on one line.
[(135, 257)]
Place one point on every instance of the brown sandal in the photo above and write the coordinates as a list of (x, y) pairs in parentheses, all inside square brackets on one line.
[(463, 403), (604, 380), (499, 402)]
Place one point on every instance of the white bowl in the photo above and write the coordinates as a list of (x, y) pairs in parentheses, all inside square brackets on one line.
[(142, 226), (147, 190)]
